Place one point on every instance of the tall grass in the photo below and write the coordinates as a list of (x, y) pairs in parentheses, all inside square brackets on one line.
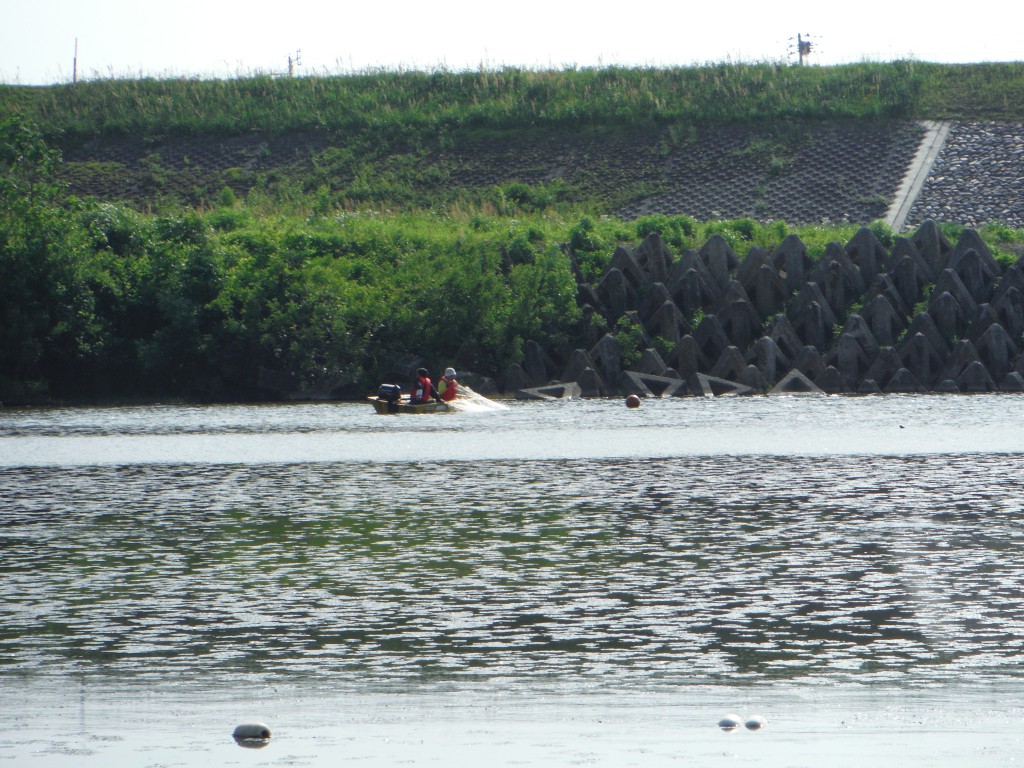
[(420, 107)]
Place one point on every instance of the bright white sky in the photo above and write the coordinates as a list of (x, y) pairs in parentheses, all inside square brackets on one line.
[(224, 38)]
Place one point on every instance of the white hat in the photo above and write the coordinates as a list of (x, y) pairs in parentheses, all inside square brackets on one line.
[(450, 373)]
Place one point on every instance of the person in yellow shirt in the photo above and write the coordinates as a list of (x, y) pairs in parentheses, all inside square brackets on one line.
[(448, 387)]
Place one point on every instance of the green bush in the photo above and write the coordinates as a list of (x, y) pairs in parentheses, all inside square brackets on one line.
[(677, 231), (883, 232), (520, 250), (630, 336)]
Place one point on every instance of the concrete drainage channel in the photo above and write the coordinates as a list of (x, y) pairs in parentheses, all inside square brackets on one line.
[(931, 145)]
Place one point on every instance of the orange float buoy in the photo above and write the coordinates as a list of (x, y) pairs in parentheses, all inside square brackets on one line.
[(632, 401)]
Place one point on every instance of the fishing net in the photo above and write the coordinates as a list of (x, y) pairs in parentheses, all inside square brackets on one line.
[(468, 400)]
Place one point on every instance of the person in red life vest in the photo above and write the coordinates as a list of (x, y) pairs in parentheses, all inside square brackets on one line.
[(448, 387), (422, 389)]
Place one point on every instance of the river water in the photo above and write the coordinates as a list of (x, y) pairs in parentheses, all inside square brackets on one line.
[(551, 584)]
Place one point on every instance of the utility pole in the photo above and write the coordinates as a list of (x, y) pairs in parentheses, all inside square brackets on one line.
[(803, 47), (293, 63), (74, 65)]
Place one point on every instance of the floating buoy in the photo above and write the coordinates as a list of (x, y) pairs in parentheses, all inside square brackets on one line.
[(252, 735), (755, 723), (632, 401), (730, 722)]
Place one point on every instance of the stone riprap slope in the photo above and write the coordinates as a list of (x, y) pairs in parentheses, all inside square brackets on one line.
[(924, 316), (804, 174), (977, 178), (185, 169), (810, 174), (819, 174)]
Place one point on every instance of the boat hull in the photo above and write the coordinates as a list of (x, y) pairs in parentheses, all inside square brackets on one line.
[(404, 406)]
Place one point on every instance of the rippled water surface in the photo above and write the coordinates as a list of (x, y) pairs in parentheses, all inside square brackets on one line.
[(577, 550)]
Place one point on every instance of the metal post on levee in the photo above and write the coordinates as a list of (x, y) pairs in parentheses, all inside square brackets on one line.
[(74, 65), (803, 47)]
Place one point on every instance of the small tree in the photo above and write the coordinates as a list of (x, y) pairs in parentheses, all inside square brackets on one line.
[(47, 323)]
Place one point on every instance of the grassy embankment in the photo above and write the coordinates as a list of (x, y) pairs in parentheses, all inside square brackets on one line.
[(386, 129), (422, 107), (332, 269)]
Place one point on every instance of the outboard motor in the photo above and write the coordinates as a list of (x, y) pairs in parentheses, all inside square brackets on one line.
[(390, 393)]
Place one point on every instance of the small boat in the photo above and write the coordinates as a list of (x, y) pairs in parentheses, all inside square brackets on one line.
[(384, 405), (389, 399)]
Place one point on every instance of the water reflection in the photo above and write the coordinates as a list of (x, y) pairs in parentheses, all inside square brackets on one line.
[(603, 572)]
